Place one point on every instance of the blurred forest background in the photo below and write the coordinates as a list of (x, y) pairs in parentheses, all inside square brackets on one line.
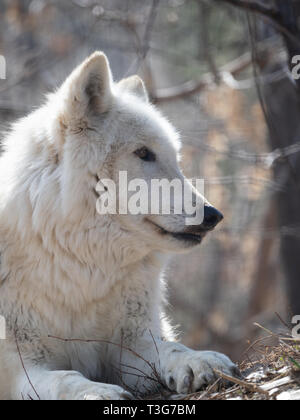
[(220, 71)]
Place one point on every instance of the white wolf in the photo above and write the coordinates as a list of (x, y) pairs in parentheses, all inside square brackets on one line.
[(81, 292)]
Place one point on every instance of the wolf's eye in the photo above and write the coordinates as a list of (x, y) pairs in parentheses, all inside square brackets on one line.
[(145, 154)]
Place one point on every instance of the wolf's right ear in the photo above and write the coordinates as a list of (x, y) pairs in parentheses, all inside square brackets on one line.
[(89, 87), (135, 85)]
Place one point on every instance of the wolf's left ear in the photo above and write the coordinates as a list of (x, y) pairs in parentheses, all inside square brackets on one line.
[(89, 87), (134, 85)]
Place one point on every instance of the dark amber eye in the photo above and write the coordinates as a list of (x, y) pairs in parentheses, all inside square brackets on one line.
[(145, 154)]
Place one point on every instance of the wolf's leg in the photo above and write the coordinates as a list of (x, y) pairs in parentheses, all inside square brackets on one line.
[(38, 383)]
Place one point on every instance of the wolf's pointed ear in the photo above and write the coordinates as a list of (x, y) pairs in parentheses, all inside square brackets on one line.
[(89, 87), (134, 85)]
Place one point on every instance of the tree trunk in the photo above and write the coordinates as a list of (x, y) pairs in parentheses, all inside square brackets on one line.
[(283, 108)]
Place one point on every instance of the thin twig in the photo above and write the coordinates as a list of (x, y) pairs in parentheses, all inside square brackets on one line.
[(24, 368), (266, 330), (72, 340), (209, 389), (142, 374), (155, 344), (296, 340), (283, 322), (259, 340)]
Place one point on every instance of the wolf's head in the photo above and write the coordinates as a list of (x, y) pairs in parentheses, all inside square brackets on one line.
[(95, 130), (112, 129)]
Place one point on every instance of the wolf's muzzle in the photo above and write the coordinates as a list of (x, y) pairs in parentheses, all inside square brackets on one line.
[(195, 234)]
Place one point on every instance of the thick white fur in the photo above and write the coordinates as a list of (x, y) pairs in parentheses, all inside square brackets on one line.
[(69, 273)]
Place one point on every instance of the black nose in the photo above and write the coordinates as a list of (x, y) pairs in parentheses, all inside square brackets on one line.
[(212, 217)]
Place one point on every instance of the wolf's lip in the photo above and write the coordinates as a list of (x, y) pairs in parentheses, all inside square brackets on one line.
[(188, 237), (182, 236)]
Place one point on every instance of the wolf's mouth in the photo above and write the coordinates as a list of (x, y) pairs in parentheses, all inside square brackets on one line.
[(181, 236), (191, 237)]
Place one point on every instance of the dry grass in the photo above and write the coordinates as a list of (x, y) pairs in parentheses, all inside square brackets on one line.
[(271, 372)]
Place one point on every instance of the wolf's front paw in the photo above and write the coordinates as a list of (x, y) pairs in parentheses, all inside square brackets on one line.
[(107, 392), (98, 392), (186, 371)]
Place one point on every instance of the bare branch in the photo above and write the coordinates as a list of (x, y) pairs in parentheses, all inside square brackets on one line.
[(204, 41), (251, 386), (143, 45), (192, 87), (149, 27), (268, 12), (255, 6)]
